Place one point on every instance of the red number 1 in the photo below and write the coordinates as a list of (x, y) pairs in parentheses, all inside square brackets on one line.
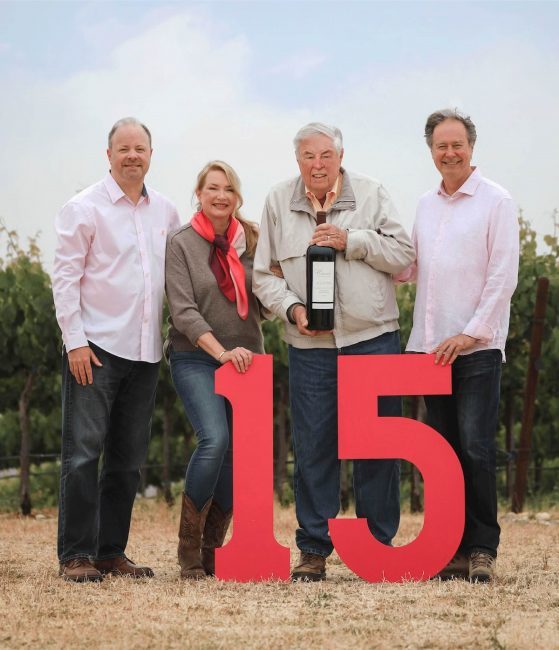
[(252, 552)]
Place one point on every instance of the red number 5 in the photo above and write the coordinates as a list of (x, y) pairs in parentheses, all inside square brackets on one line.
[(363, 434)]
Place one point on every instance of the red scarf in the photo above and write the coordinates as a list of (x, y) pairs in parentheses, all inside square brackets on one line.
[(224, 259)]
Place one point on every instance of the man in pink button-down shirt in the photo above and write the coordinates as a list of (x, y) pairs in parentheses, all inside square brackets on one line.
[(466, 239), (108, 286)]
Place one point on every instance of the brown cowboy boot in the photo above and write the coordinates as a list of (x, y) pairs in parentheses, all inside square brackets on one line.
[(190, 538), (216, 527)]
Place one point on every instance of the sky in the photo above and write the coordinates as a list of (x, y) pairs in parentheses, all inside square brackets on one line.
[(235, 80)]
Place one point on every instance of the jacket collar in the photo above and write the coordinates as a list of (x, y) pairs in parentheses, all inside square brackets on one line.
[(345, 201)]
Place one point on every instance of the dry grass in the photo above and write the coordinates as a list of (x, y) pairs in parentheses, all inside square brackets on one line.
[(39, 610)]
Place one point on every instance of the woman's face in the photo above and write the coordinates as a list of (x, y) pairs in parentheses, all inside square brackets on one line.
[(217, 198)]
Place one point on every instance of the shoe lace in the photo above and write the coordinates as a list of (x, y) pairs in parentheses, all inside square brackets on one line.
[(480, 559)]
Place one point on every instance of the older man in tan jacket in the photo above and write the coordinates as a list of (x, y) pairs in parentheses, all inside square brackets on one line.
[(362, 226)]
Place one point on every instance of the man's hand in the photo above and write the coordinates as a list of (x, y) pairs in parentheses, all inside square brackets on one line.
[(449, 349), (328, 235), (276, 270), (299, 315), (80, 360)]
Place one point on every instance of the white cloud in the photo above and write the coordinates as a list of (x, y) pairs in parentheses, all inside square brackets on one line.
[(188, 87), (299, 66), (190, 83), (511, 92)]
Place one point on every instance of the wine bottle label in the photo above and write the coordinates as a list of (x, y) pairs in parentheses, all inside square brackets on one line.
[(323, 285)]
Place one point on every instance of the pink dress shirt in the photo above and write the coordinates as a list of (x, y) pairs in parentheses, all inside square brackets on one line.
[(467, 249), (109, 270)]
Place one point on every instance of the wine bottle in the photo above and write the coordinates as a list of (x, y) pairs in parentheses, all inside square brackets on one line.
[(321, 266)]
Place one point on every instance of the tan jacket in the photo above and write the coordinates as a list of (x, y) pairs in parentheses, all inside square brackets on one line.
[(377, 246)]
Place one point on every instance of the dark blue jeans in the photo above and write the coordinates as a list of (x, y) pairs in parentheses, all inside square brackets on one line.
[(111, 417), (313, 387), (468, 419), (210, 470)]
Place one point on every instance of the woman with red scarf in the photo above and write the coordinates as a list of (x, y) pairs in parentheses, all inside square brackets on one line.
[(214, 319)]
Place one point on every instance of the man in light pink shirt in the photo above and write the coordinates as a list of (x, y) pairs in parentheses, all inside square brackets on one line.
[(466, 240), (108, 286)]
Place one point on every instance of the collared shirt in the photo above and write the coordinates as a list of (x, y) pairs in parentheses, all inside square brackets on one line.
[(331, 196), (109, 270), (467, 249)]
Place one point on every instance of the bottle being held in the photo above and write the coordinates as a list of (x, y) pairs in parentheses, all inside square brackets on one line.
[(321, 266)]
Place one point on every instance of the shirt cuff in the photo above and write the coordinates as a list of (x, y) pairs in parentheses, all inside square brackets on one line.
[(75, 341), (480, 331), (354, 246), (289, 312), (407, 275), (193, 331), (290, 300)]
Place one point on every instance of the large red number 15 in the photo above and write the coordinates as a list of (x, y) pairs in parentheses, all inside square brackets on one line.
[(253, 552)]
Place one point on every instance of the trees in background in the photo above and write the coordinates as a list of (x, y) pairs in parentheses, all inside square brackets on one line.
[(545, 440), (275, 345), (30, 349)]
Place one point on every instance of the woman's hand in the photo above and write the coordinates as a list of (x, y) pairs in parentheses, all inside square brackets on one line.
[(241, 358)]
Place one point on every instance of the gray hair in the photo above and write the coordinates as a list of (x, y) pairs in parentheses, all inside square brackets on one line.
[(123, 122), (449, 114), (318, 128)]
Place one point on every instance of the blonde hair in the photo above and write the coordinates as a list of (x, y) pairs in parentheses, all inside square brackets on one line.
[(250, 228)]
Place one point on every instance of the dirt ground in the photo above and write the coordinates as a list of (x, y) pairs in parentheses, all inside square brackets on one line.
[(39, 610)]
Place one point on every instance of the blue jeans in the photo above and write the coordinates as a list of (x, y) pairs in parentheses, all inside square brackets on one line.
[(313, 388), (111, 417), (468, 419), (210, 470)]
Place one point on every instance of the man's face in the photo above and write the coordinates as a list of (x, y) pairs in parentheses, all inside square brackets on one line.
[(451, 151), (129, 154), (319, 163)]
